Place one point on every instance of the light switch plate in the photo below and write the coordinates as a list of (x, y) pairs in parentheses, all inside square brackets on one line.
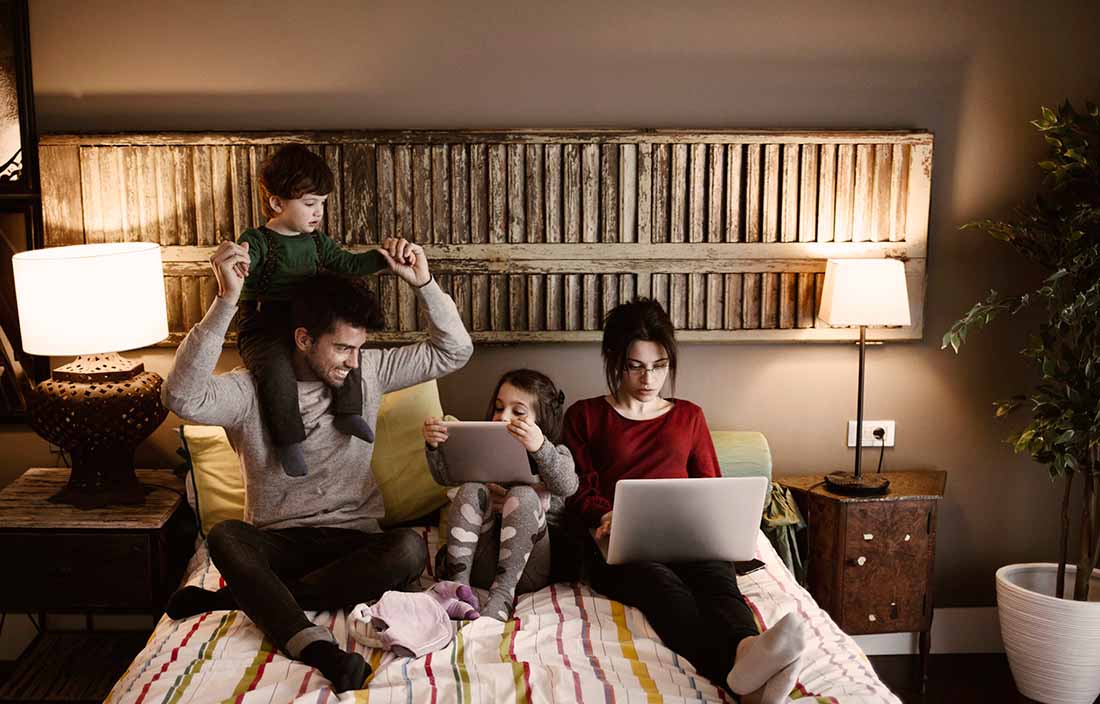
[(869, 439)]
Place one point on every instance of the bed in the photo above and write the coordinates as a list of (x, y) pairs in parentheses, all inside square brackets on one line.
[(565, 644)]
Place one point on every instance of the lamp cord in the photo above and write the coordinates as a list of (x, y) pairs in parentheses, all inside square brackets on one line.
[(880, 435)]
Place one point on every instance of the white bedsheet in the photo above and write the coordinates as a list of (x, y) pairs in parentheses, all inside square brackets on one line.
[(565, 644)]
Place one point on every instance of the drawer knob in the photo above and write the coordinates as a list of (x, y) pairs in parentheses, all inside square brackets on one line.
[(908, 537), (861, 560), (868, 536), (871, 617)]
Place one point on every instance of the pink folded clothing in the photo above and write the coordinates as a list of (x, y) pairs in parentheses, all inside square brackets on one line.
[(410, 625), (416, 624)]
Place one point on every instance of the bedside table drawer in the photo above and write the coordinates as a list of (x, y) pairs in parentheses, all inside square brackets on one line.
[(76, 571), (882, 601), (889, 529)]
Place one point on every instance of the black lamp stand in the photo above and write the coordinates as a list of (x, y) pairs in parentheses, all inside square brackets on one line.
[(854, 483)]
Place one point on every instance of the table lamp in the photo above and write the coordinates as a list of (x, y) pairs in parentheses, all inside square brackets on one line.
[(93, 301), (863, 292)]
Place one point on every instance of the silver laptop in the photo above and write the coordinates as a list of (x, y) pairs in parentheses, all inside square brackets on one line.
[(685, 520), (484, 451)]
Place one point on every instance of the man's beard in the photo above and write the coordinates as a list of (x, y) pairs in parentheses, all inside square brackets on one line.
[(323, 374)]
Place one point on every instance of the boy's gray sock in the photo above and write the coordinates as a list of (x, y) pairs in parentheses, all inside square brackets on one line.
[(293, 459), (356, 425)]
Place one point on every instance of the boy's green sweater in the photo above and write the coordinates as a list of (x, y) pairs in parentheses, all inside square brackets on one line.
[(296, 258)]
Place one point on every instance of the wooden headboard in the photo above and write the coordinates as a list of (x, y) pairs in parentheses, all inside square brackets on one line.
[(535, 233)]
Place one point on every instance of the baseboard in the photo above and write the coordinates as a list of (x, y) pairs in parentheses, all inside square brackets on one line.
[(974, 630)]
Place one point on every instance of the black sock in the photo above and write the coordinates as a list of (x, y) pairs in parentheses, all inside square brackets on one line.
[(191, 601), (292, 459), (353, 424), (344, 670)]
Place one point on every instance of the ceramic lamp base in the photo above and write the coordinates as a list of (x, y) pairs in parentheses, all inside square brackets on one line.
[(848, 484), (99, 409)]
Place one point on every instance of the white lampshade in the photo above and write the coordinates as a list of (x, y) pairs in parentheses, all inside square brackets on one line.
[(90, 298), (865, 292)]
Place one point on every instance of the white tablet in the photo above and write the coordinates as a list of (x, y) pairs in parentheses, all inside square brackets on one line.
[(484, 451)]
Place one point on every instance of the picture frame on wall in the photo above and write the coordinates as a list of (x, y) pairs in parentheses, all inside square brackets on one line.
[(20, 204), (18, 133)]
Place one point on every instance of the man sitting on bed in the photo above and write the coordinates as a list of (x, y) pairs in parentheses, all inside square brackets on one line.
[(310, 542)]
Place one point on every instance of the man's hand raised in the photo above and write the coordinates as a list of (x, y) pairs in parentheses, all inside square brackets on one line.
[(407, 260), (230, 264)]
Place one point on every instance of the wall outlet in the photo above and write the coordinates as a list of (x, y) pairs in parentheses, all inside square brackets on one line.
[(869, 439)]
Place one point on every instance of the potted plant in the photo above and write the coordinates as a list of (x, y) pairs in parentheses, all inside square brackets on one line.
[(1052, 637)]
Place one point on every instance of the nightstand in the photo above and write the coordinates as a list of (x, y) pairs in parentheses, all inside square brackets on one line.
[(114, 559), (870, 557)]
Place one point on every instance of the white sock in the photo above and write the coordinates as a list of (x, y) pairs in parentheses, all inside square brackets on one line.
[(765, 655), (778, 689)]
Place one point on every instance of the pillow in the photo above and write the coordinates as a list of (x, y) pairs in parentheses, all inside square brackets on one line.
[(742, 453), (399, 464), (216, 487)]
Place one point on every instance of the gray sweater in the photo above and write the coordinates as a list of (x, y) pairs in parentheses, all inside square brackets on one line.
[(340, 490)]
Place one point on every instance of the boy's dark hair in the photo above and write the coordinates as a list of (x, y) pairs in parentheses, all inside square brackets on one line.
[(549, 401), (292, 172), (322, 300), (641, 319)]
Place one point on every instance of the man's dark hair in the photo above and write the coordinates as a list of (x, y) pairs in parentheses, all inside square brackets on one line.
[(322, 300), (292, 172), (641, 319)]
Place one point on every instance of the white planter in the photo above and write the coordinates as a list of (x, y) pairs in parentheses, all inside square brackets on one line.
[(1053, 644)]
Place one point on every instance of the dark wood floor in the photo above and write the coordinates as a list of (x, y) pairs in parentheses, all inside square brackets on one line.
[(64, 666), (952, 679)]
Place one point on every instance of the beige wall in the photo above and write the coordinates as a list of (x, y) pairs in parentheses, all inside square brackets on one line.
[(974, 76)]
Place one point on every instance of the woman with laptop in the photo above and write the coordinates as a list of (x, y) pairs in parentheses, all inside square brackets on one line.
[(634, 433)]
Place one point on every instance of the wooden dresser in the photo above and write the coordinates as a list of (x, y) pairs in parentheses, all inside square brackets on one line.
[(870, 558)]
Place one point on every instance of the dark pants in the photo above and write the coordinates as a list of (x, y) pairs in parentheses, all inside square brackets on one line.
[(265, 340), (274, 574), (695, 607)]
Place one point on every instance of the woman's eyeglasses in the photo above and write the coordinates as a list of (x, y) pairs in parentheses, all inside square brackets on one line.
[(638, 369)]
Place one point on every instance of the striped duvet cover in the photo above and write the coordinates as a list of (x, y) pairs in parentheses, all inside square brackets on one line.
[(565, 644)]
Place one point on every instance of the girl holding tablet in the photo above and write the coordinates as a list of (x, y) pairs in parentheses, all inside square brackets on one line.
[(513, 552)]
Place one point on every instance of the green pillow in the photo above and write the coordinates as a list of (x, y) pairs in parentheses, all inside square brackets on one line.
[(742, 453)]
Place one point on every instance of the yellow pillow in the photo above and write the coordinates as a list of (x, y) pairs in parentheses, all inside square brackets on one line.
[(399, 464), (215, 475)]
